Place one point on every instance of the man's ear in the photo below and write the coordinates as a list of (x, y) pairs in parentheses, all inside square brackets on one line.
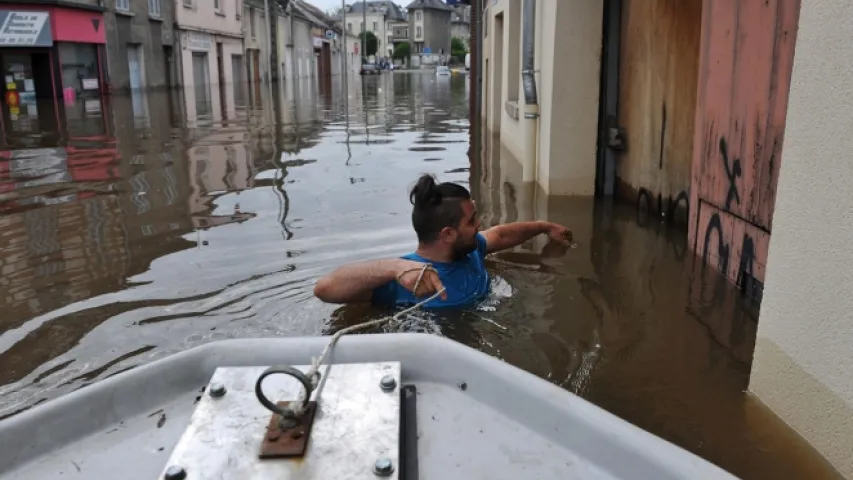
[(447, 235)]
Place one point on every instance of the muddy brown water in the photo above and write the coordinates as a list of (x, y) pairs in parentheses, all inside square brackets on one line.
[(136, 232)]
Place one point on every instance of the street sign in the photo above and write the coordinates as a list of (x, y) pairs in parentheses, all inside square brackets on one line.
[(330, 34), (427, 50)]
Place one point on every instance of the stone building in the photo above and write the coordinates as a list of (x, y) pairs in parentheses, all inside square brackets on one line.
[(429, 31), (140, 40)]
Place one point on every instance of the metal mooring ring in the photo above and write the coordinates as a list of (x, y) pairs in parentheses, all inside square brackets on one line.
[(287, 370)]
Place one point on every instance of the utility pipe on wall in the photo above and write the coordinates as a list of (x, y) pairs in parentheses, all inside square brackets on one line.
[(528, 46), (531, 98), (267, 20)]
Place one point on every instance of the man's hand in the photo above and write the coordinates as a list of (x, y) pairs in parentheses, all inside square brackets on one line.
[(511, 234), (560, 234), (408, 272)]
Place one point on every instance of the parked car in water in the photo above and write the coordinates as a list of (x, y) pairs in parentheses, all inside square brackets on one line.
[(442, 70), (369, 69)]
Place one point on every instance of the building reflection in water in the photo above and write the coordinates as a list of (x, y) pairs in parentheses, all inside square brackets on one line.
[(115, 190)]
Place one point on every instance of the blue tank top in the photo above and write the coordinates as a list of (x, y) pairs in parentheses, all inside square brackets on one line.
[(466, 281)]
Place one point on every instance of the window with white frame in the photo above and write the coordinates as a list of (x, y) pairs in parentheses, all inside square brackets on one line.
[(217, 5), (123, 5), (154, 8), (239, 5), (188, 3)]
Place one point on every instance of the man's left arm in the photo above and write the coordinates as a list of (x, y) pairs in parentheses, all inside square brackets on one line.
[(509, 235)]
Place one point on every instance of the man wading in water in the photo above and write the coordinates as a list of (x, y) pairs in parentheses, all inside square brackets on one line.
[(450, 241)]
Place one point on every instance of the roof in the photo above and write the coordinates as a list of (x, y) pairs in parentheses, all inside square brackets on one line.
[(310, 13), (392, 10), (429, 5)]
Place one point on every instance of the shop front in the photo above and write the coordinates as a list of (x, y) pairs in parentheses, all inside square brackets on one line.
[(52, 61)]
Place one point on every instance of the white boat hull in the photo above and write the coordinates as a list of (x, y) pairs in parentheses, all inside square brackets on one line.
[(477, 417)]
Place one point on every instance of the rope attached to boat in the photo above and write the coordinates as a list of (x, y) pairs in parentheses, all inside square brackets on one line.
[(297, 408)]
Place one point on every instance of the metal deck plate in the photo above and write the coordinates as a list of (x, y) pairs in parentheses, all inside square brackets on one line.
[(356, 424)]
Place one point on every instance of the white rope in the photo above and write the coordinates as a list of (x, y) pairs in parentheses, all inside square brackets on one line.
[(296, 408)]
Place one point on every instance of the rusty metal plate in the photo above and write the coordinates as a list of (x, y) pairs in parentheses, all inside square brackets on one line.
[(290, 442), (356, 423)]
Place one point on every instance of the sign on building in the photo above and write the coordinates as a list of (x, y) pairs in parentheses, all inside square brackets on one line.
[(25, 29), (199, 41)]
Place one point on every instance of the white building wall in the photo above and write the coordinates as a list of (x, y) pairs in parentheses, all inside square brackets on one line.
[(559, 150), (803, 364), (201, 28)]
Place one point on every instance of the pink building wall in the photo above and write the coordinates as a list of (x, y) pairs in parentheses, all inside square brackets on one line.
[(746, 59)]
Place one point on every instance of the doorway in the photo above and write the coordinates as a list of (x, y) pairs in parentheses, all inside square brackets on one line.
[(220, 72), (239, 84), (201, 82), (136, 75)]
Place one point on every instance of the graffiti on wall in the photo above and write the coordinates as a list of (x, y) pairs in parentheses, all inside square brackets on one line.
[(746, 57)]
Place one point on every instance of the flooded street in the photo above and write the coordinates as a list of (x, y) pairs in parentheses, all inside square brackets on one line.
[(139, 232)]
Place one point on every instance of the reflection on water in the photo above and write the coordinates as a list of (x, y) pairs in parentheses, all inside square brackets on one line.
[(155, 230)]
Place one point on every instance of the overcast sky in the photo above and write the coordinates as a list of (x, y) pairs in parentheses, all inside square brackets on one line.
[(326, 5)]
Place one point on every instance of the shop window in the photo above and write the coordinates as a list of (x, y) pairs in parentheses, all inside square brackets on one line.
[(123, 5), (78, 63)]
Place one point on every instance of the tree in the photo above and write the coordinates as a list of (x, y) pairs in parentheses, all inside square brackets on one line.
[(458, 48), (335, 13), (372, 43), (402, 51)]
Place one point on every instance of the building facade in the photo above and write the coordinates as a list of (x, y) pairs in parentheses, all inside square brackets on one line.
[(257, 40), (210, 40), (429, 30), (140, 44), (380, 15), (691, 111)]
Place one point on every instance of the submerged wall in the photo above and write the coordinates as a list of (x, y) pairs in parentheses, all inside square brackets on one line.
[(659, 65), (804, 353)]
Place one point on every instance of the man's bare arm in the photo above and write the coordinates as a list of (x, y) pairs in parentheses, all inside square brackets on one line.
[(356, 282), (509, 235)]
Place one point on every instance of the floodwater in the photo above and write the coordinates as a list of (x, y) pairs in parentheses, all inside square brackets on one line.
[(139, 231)]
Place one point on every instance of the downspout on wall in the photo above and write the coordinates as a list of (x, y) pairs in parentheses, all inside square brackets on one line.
[(531, 97)]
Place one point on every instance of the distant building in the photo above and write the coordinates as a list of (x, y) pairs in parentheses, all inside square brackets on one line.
[(460, 23), (429, 31), (381, 16), (211, 54)]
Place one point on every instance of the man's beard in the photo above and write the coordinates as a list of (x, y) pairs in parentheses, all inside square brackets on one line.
[(460, 251)]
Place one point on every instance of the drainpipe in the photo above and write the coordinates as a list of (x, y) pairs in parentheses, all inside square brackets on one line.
[(268, 41), (531, 98), (292, 47)]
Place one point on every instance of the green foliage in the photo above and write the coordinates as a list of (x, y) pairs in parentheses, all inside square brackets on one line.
[(402, 50), (372, 43), (458, 48)]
